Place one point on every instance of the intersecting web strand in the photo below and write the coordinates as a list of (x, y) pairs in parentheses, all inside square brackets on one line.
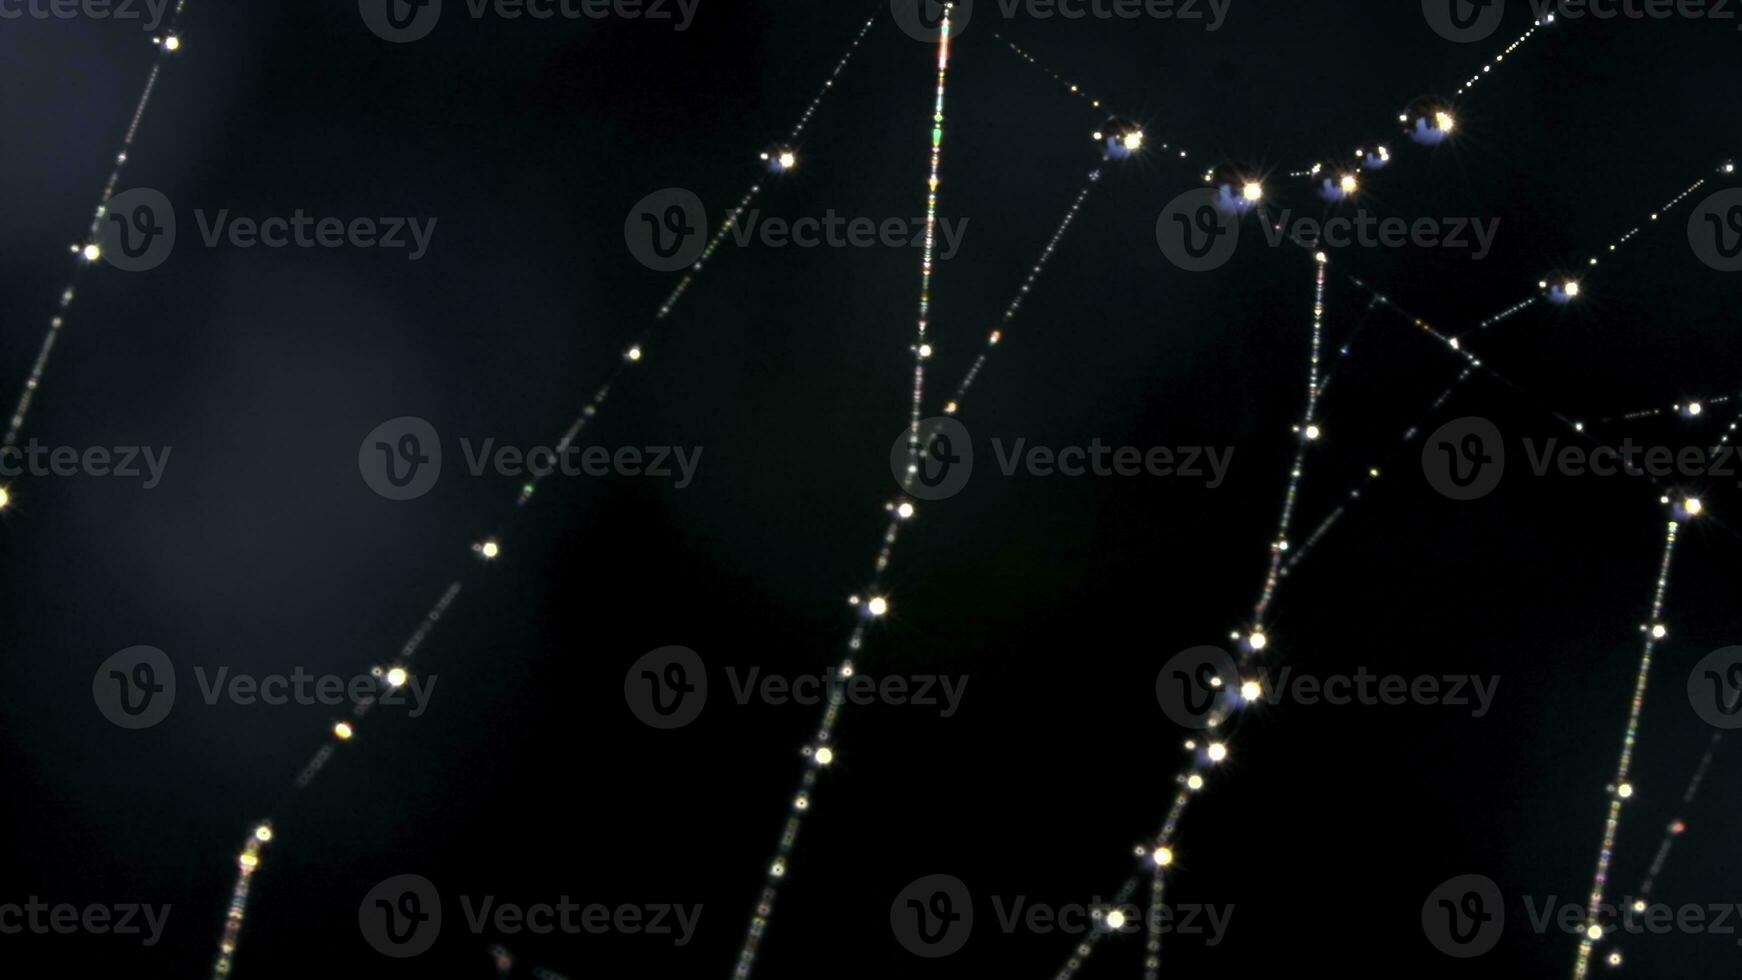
[(1620, 789), (1345, 348), (1579, 429), (1474, 365), (1654, 631), (1216, 751), (1308, 431), (1254, 641), (1177, 810), (395, 676), (871, 605), (635, 353), (1471, 366), (1345, 183), (1160, 857), (1298, 553), (1373, 475), (89, 251), (1337, 187), (819, 752)]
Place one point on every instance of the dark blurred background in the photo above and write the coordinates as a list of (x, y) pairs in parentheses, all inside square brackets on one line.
[(528, 778)]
